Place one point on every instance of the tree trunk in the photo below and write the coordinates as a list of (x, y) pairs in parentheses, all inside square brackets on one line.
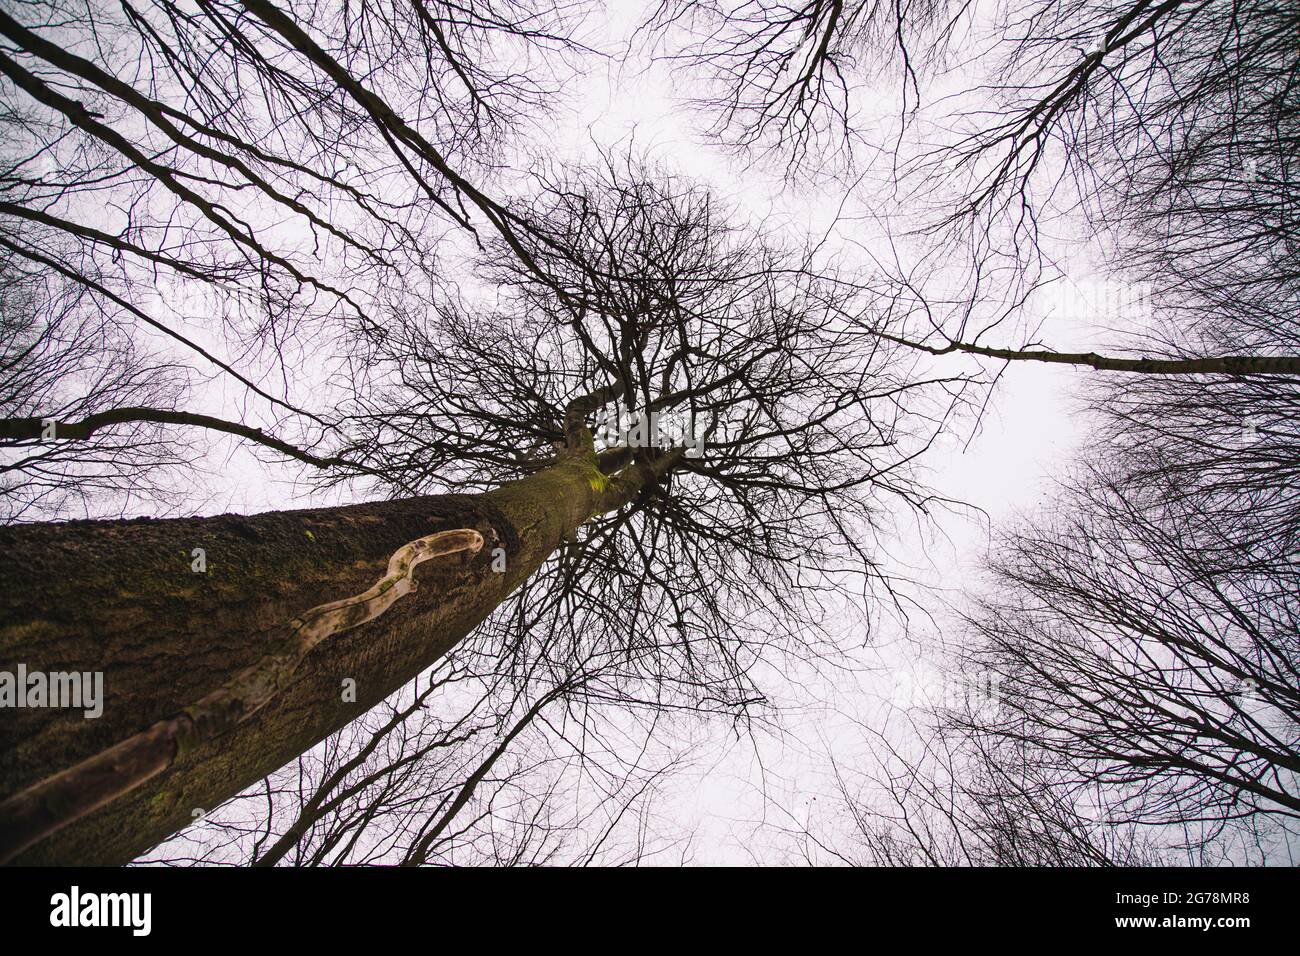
[(121, 597)]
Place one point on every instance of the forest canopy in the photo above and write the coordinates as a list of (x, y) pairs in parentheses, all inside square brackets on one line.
[(888, 405)]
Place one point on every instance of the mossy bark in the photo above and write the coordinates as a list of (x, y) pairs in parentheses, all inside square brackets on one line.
[(121, 597)]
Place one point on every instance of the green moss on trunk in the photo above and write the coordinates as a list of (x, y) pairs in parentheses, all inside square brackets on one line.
[(121, 597)]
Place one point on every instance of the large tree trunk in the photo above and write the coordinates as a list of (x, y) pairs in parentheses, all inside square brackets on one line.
[(121, 597)]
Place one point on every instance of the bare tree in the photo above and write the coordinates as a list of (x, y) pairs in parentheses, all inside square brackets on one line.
[(625, 289), (1132, 630), (945, 798), (245, 185), (783, 78), (462, 769), (1137, 655), (58, 361), (639, 433), (1170, 128)]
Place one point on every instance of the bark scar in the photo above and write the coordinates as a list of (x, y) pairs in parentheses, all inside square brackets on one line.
[(45, 807)]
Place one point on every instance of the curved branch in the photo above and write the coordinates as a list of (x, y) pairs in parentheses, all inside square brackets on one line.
[(21, 429)]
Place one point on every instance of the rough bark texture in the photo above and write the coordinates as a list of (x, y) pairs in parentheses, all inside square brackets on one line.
[(120, 597)]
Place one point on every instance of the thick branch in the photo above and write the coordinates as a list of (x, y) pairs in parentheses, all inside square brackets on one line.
[(22, 429), (1221, 365)]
